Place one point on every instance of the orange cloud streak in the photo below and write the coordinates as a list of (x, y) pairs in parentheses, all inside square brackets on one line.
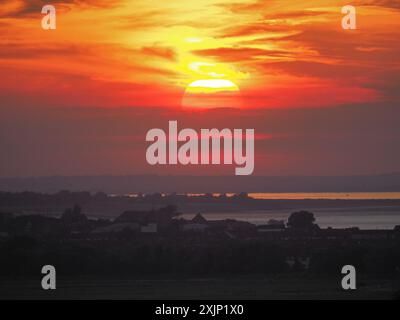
[(135, 53)]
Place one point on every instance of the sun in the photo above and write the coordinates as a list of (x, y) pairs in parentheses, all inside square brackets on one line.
[(211, 86), (211, 94)]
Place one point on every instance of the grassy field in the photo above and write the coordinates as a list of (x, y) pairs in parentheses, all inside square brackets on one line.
[(241, 288)]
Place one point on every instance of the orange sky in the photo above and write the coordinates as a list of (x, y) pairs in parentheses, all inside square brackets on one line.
[(80, 99), (145, 53)]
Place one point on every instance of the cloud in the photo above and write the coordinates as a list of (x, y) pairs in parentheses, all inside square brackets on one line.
[(12, 50), (391, 4), (167, 53), (240, 53), (28, 8), (274, 45), (248, 6), (249, 29)]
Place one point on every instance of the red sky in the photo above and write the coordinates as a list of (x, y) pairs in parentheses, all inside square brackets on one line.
[(80, 99)]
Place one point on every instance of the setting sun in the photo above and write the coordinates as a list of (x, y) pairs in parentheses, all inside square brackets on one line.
[(111, 70), (211, 93), (211, 86)]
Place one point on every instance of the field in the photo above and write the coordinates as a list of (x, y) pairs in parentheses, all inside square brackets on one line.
[(242, 288)]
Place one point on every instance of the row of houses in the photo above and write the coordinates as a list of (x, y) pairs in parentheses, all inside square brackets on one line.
[(159, 222), (166, 221)]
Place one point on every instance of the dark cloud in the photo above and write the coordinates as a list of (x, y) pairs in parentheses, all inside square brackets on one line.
[(251, 29), (12, 50), (167, 53), (344, 72), (34, 7), (391, 4), (240, 53), (299, 14), (256, 6)]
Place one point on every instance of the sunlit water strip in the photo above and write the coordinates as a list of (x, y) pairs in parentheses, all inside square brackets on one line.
[(328, 195)]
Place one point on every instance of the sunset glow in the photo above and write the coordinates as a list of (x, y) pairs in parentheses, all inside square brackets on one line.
[(211, 93), (199, 150), (206, 86), (113, 69), (118, 51)]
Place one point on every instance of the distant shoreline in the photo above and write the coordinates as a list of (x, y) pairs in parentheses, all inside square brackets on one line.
[(380, 195), (202, 184)]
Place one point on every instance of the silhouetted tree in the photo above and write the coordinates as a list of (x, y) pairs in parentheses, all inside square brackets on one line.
[(73, 215), (301, 219)]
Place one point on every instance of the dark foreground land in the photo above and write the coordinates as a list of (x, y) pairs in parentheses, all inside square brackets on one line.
[(294, 286), (152, 254), (199, 267)]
